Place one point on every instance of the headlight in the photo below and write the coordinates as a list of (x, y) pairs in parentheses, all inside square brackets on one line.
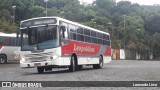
[(23, 59), (54, 56)]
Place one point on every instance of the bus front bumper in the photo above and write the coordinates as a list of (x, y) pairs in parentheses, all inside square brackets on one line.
[(61, 61), (35, 64)]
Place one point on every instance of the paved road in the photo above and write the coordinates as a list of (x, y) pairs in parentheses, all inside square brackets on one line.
[(117, 70)]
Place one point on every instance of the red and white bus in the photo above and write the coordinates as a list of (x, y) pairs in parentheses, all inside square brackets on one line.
[(49, 42), (9, 47)]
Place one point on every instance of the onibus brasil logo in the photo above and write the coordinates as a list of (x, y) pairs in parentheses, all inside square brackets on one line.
[(21, 84)]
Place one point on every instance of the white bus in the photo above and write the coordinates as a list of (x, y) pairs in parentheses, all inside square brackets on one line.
[(9, 47), (49, 42)]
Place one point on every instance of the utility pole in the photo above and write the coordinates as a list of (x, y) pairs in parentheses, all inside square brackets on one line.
[(13, 7), (124, 18), (110, 24), (46, 6)]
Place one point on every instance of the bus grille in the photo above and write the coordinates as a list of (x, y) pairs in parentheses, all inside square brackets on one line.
[(38, 57)]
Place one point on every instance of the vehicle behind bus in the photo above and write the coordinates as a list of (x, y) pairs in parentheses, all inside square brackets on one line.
[(48, 42), (9, 47)]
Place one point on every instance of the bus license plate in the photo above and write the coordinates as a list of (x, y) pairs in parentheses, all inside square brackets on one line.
[(37, 64)]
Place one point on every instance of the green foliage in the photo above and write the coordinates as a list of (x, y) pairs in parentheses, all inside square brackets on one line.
[(156, 44), (153, 23), (7, 27), (6, 22), (108, 5), (132, 24), (5, 14), (37, 11)]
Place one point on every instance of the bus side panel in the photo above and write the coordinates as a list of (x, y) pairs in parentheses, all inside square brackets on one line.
[(88, 60), (13, 53), (107, 59), (80, 48), (86, 53), (66, 61), (107, 55)]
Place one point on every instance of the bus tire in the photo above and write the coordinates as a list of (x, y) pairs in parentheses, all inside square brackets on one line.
[(72, 67), (40, 69), (79, 67), (48, 68), (3, 59), (100, 65)]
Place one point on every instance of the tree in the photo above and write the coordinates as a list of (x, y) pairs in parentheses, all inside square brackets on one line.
[(5, 14), (132, 24), (153, 23), (108, 5), (156, 44), (37, 11), (6, 22), (7, 27)]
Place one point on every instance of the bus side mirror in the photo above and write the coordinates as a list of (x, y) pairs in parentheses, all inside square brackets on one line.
[(62, 30)]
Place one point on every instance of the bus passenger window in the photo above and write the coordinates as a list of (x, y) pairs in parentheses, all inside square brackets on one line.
[(99, 35), (87, 32), (108, 43), (1, 42), (72, 36), (93, 34), (94, 40), (99, 41), (80, 37), (80, 30), (104, 36), (87, 39), (107, 37), (104, 42)]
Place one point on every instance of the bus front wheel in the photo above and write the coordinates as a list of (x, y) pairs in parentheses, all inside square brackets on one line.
[(3, 59), (100, 65), (72, 67), (40, 69)]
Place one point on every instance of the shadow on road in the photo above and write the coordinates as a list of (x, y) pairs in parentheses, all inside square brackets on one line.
[(62, 71), (11, 62)]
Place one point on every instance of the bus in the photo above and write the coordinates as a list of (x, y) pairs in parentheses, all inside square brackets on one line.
[(48, 42), (9, 47)]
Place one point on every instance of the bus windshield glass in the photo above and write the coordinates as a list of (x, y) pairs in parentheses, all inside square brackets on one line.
[(39, 38)]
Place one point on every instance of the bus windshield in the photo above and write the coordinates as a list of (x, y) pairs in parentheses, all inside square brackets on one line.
[(39, 38)]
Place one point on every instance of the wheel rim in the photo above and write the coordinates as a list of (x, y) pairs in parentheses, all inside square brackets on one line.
[(2, 59)]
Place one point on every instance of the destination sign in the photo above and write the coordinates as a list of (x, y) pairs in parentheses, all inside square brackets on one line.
[(35, 22)]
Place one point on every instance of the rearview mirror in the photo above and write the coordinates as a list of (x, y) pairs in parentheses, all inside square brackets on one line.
[(64, 33), (63, 28)]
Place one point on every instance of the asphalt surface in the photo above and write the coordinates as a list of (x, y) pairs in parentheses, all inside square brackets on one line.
[(117, 70)]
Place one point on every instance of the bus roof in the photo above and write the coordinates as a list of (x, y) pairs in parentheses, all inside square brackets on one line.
[(70, 22), (8, 35)]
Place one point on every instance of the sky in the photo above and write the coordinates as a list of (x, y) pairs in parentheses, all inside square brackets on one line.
[(141, 2)]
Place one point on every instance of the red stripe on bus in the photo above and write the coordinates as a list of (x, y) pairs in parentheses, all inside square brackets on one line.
[(108, 51), (80, 48), (1, 46)]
